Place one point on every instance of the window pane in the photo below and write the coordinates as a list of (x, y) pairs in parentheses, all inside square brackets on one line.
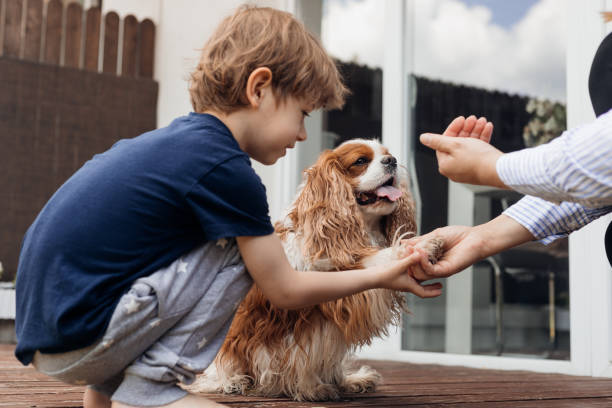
[(492, 59)]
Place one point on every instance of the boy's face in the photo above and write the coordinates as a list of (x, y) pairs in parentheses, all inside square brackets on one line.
[(277, 126)]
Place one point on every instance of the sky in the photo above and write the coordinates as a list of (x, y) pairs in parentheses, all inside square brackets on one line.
[(513, 46)]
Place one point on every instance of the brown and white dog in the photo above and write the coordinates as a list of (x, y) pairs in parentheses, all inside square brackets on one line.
[(347, 214)]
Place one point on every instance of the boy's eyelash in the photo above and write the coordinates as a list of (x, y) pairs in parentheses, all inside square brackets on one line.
[(305, 113)]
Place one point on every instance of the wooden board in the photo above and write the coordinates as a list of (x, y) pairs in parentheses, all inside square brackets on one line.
[(405, 385)]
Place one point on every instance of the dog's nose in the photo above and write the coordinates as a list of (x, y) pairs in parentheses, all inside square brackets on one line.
[(389, 161)]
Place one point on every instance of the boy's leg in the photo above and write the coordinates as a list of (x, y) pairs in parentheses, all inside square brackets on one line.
[(204, 317), (165, 330), (95, 399), (190, 401)]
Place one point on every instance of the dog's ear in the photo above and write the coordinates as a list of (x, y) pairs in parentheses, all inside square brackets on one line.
[(403, 219), (326, 215)]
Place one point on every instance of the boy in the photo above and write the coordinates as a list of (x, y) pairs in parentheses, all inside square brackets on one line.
[(130, 276)]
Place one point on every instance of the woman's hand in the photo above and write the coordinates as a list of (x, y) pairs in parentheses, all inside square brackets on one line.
[(464, 246), (464, 153)]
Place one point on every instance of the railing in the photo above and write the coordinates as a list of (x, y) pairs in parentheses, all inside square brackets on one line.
[(66, 35)]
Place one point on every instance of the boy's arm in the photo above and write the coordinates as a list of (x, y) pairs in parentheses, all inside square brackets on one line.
[(287, 288)]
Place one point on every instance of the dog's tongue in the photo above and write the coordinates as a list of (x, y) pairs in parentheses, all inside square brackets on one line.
[(390, 192)]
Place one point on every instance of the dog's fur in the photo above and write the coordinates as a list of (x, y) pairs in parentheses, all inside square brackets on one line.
[(305, 354)]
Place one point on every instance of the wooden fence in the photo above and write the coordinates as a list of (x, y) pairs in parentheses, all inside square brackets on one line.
[(52, 33), (71, 84)]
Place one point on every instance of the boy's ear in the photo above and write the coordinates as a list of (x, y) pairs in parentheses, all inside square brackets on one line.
[(258, 81)]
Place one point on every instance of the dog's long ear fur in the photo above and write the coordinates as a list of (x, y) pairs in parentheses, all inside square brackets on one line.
[(403, 219), (326, 218)]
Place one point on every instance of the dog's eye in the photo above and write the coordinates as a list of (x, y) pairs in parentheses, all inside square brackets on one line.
[(360, 161)]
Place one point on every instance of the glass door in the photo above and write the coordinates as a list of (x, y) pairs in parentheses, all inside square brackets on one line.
[(523, 65), (490, 58)]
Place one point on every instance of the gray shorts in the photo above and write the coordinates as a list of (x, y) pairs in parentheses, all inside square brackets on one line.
[(165, 330)]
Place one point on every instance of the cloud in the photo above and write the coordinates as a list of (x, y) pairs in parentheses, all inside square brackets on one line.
[(353, 30), (461, 44)]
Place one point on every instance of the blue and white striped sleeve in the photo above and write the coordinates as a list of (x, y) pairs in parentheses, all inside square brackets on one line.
[(548, 221), (568, 181), (576, 167)]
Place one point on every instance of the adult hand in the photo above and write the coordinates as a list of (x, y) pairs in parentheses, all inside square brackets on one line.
[(471, 127), (463, 246), (465, 159)]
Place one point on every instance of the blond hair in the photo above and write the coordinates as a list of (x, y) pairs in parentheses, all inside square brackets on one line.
[(256, 37)]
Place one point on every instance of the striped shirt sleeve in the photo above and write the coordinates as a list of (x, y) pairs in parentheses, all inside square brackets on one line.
[(548, 221), (568, 182), (576, 167)]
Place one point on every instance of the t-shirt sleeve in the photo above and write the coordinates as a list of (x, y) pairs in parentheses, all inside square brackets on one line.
[(230, 201)]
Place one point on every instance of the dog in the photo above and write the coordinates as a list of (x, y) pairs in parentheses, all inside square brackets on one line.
[(347, 214)]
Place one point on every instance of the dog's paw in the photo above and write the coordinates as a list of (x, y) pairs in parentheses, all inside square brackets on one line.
[(204, 384), (320, 392), (366, 379), (237, 384), (434, 248)]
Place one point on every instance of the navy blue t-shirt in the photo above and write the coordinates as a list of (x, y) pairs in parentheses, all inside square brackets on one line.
[(125, 214)]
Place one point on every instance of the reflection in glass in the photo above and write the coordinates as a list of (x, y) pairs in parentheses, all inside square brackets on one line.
[(502, 60)]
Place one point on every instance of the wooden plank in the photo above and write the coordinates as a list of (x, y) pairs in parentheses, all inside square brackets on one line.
[(130, 46), (92, 39), (147, 48), (33, 30), (111, 43), (405, 385), (53, 32), (12, 28), (74, 32), (2, 12)]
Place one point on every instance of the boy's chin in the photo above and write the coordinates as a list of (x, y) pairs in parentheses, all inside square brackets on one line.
[(269, 160)]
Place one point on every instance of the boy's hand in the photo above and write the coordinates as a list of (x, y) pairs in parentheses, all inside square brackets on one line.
[(398, 275)]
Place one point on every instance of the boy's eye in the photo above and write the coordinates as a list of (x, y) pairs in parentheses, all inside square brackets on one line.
[(305, 113), (360, 161)]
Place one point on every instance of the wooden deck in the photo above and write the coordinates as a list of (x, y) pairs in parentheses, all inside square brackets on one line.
[(406, 385)]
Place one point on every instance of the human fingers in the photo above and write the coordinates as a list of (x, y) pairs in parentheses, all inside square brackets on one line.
[(470, 122), (426, 291), (455, 126), (427, 271), (487, 132), (412, 258), (437, 142), (404, 250), (420, 274), (412, 242), (478, 127)]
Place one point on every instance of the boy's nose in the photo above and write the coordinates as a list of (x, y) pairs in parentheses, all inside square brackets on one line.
[(302, 135)]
